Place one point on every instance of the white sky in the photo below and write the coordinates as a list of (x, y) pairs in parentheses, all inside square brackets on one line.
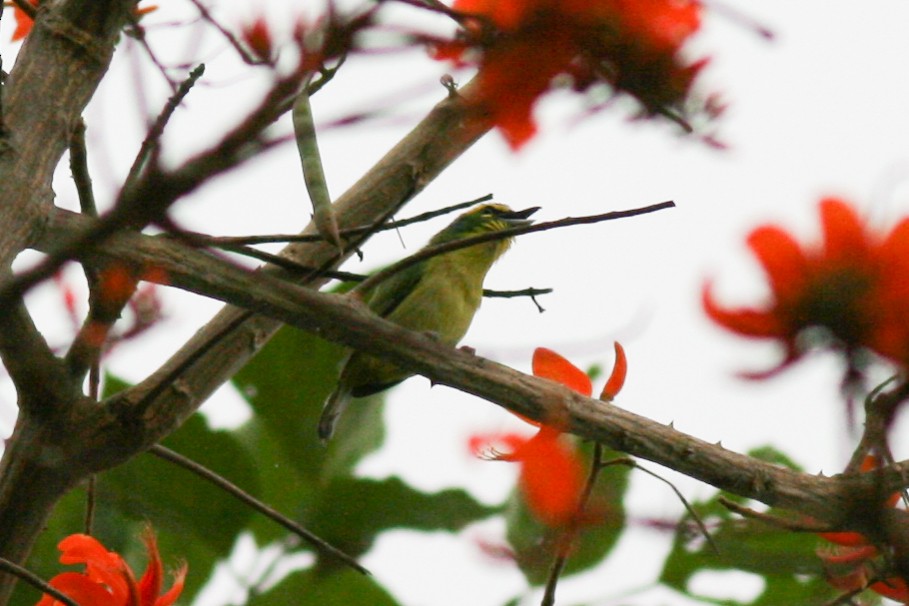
[(820, 110)]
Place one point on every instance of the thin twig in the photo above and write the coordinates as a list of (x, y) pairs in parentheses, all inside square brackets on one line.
[(158, 189), (153, 138), (231, 39), (694, 516), (203, 472), (558, 564), (90, 504), (138, 33), (845, 598), (85, 350), (224, 241), (35, 581), (78, 164), (197, 240), (531, 292), (792, 525), (438, 7), (440, 249)]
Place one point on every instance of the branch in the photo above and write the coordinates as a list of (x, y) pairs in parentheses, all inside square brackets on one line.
[(230, 241), (42, 384), (339, 319), (36, 582), (440, 249), (238, 493), (56, 72)]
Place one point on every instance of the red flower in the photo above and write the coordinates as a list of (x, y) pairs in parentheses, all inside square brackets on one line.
[(258, 38), (552, 473), (849, 292), (23, 21), (551, 479), (850, 563), (108, 580), (547, 364), (894, 588), (520, 46)]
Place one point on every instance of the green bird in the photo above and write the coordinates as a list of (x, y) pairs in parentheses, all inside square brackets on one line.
[(439, 295)]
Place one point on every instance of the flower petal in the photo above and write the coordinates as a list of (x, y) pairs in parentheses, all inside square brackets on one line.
[(844, 231), (174, 592), (894, 588), (784, 261), (745, 321), (617, 377), (552, 478), (150, 583), (102, 566), (547, 364), (81, 589), (24, 23)]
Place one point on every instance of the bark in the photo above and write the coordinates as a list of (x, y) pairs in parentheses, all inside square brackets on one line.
[(56, 73), (159, 409)]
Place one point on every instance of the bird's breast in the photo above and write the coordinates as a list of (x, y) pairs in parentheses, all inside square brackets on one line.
[(444, 302)]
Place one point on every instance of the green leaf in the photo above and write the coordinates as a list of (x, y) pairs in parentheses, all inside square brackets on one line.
[(68, 518), (352, 512), (535, 545), (173, 499), (310, 588), (286, 385), (194, 520), (786, 561)]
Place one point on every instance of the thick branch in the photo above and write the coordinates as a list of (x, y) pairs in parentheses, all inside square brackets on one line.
[(57, 71), (404, 171), (339, 319)]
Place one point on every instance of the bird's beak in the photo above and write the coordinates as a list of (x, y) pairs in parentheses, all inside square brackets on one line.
[(519, 218)]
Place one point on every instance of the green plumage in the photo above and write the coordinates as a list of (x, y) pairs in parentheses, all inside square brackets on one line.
[(439, 295)]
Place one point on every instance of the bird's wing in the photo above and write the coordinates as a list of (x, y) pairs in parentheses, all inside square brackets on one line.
[(389, 294)]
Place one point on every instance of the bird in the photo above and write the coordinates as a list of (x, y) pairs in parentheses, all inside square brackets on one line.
[(438, 295)]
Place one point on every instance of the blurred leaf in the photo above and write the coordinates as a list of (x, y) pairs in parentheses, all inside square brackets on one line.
[(194, 520), (352, 512), (68, 518), (342, 587), (535, 544), (787, 562), (148, 488), (286, 385)]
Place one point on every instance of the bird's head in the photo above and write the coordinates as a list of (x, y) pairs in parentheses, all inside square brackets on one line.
[(485, 218)]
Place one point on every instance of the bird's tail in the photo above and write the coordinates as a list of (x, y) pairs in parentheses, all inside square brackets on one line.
[(334, 407)]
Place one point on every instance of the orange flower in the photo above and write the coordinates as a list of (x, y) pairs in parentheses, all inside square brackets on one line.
[(894, 588), (108, 580), (547, 364), (850, 563), (551, 479), (552, 473), (849, 292), (23, 21), (257, 36), (520, 46)]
